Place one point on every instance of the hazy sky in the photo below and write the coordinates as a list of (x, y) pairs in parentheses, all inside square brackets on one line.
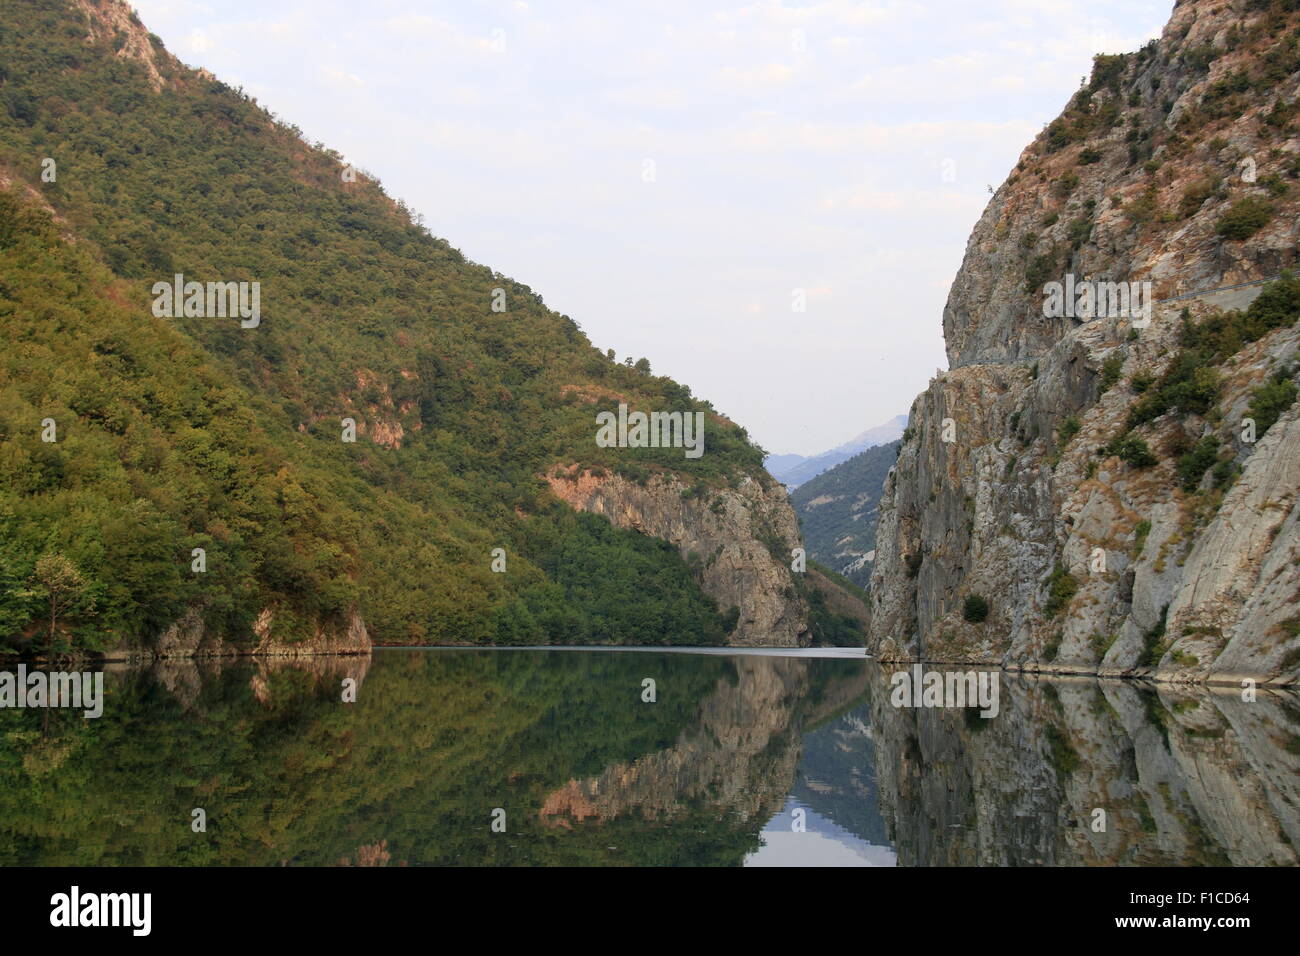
[(669, 173)]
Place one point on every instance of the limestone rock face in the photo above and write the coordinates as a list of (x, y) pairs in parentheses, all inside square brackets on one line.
[(742, 538), (1003, 479), (188, 637), (117, 20)]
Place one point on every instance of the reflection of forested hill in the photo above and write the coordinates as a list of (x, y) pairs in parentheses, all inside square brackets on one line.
[(288, 773), (413, 770)]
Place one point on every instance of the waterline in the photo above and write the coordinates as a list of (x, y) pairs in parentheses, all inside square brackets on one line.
[(846, 653)]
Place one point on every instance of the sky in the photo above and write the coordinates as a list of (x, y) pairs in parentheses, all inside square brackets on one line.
[(680, 176)]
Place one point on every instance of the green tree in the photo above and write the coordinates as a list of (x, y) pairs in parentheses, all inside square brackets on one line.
[(62, 588)]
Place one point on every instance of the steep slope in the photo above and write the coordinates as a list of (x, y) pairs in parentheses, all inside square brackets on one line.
[(194, 428), (839, 508), (1095, 480)]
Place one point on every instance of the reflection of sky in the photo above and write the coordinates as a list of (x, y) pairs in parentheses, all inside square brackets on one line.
[(824, 843)]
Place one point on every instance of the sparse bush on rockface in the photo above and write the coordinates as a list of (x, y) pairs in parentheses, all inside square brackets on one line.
[(1133, 451), (1061, 588), (1268, 402), (975, 609), (1245, 218)]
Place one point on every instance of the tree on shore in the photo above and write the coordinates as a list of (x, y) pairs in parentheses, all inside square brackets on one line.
[(59, 583)]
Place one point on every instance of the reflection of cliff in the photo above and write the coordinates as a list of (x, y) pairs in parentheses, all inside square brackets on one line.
[(184, 677), (738, 758), (1185, 777)]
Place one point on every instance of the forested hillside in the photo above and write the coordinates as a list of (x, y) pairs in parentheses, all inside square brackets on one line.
[(119, 168), (837, 511)]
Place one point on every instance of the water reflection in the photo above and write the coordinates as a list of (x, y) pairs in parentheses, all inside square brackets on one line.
[(1181, 776), (832, 816), (753, 759)]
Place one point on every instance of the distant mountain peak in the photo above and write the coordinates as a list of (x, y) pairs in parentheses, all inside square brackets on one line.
[(879, 435), (794, 470)]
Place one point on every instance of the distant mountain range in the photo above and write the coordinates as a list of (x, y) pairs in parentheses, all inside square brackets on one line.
[(838, 510), (794, 470)]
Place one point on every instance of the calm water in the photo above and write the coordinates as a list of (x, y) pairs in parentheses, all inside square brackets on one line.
[(753, 759)]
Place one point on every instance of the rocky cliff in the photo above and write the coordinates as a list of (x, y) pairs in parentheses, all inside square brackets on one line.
[(739, 541), (189, 638), (1121, 490)]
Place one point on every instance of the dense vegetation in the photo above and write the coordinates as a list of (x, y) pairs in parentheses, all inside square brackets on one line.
[(176, 434), (838, 612)]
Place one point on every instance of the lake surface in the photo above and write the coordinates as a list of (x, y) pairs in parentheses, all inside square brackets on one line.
[(550, 757)]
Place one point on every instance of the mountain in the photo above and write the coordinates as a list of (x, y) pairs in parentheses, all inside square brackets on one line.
[(776, 465), (794, 470), (387, 443), (838, 511), (1118, 493)]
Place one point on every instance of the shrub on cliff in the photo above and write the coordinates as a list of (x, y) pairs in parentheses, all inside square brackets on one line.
[(1190, 385), (1193, 465), (1061, 588), (1244, 218), (1132, 450), (1268, 402), (976, 609), (1111, 370)]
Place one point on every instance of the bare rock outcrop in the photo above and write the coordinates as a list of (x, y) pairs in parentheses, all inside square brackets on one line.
[(189, 637), (114, 21), (740, 537)]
